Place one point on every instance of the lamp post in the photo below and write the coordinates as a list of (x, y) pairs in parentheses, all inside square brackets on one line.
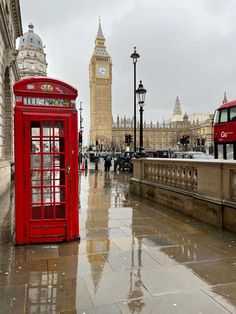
[(141, 92), (135, 57)]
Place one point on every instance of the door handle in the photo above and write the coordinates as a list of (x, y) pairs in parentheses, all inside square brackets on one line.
[(68, 169)]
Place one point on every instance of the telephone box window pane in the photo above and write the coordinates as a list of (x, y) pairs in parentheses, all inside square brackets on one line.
[(59, 128), (59, 145), (35, 178), (48, 146), (48, 195), (59, 178), (60, 211), (36, 195), (35, 128), (35, 161), (36, 212), (59, 194), (47, 128), (48, 211), (47, 161), (47, 178), (35, 146), (60, 163)]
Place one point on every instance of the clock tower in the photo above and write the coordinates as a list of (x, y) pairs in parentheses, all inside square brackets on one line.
[(100, 80)]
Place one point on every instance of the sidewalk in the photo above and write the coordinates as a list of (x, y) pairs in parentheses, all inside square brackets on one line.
[(134, 256)]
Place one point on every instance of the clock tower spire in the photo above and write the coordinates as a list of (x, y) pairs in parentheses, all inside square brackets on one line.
[(100, 82)]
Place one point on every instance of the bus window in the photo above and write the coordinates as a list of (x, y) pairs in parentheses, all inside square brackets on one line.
[(216, 116), (223, 115), (220, 149), (229, 151), (232, 114)]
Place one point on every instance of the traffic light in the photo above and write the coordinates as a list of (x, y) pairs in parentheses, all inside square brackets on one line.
[(187, 139), (126, 138), (130, 138), (184, 140), (201, 141)]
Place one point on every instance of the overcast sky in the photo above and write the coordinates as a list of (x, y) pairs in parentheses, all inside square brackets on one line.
[(187, 48)]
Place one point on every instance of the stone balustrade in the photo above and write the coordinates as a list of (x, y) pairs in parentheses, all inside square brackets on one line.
[(203, 189)]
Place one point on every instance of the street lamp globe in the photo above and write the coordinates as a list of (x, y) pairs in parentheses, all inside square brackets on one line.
[(141, 93), (135, 56)]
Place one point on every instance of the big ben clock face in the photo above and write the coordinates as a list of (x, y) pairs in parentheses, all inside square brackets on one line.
[(102, 70)]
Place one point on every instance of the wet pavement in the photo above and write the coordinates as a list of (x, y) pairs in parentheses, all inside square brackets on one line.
[(134, 256)]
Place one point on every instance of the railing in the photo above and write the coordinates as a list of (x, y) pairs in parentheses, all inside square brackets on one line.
[(182, 176), (205, 189), (212, 178)]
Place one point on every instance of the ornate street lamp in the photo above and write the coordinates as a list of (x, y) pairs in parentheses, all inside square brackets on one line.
[(141, 92), (135, 57)]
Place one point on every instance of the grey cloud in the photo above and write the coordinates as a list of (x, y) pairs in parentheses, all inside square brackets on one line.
[(187, 49)]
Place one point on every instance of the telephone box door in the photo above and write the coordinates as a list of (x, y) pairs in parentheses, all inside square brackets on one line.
[(47, 164)]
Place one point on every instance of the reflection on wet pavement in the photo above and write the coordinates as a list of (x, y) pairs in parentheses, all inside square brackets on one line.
[(134, 256)]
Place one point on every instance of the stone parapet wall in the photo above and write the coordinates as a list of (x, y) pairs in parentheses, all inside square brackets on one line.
[(205, 190)]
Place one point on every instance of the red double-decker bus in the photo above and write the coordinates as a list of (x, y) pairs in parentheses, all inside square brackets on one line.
[(225, 131)]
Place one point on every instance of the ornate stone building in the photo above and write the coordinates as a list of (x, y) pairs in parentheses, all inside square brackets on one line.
[(31, 59), (10, 30), (165, 135), (100, 80)]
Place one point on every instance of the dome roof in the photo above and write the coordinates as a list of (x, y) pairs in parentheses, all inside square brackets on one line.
[(185, 116), (31, 38)]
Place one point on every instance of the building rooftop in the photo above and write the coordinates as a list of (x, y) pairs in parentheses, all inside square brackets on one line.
[(31, 38)]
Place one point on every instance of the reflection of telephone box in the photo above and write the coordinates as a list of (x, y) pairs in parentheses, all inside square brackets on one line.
[(46, 161)]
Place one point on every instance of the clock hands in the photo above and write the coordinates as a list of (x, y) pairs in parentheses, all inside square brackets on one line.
[(102, 70)]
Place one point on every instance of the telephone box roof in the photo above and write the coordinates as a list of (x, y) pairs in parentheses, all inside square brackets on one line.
[(45, 86)]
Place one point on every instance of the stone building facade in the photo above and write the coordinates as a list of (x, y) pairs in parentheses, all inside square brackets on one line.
[(165, 135), (10, 30), (31, 59)]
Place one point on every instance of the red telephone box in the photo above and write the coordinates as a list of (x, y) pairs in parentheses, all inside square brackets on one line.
[(46, 161)]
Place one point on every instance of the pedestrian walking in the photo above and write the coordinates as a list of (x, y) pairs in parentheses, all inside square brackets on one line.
[(108, 163), (86, 162), (96, 162)]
